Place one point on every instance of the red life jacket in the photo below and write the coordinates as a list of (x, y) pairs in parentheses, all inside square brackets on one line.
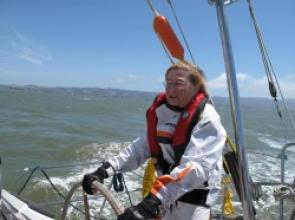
[(188, 119)]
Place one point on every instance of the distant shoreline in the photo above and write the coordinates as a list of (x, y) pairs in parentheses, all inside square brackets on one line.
[(111, 90)]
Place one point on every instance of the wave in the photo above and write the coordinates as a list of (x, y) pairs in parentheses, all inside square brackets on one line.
[(271, 142), (262, 168), (88, 159)]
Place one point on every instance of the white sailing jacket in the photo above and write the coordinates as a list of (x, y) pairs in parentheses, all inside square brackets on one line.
[(201, 162)]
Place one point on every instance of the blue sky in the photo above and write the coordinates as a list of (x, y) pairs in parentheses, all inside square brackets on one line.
[(111, 43)]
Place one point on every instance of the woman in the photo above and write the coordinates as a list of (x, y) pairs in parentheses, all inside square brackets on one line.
[(185, 138)]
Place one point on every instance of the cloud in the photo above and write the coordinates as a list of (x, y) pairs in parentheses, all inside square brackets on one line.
[(33, 56), (23, 47), (242, 76), (287, 86), (218, 83), (126, 79), (120, 81), (138, 81), (131, 76), (251, 86)]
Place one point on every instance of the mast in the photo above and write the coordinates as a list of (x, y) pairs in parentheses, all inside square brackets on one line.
[(235, 110)]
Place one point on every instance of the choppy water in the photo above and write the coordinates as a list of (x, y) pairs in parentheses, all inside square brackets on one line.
[(52, 127)]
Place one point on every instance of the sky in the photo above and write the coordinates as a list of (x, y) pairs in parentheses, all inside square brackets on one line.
[(111, 43)]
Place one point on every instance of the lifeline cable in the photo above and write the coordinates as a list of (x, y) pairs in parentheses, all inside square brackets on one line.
[(50, 182), (27, 180), (57, 190), (42, 170)]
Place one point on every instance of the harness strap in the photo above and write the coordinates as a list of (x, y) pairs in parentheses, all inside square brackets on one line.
[(179, 151), (196, 197)]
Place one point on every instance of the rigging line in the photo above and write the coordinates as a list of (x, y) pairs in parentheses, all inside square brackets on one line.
[(163, 45), (260, 42), (186, 44), (270, 72), (166, 51), (268, 65), (185, 41), (181, 31), (183, 36), (273, 83), (152, 7), (266, 62), (283, 99)]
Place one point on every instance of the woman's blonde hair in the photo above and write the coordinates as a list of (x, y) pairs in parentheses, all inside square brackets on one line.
[(196, 74)]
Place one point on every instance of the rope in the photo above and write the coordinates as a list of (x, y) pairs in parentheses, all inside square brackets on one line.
[(231, 144), (149, 177), (269, 72), (228, 209), (181, 31), (152, 7), (283, 192), (166, 51), (269, 69)]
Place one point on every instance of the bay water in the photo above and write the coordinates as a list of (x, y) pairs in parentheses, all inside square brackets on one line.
[(52, 127)]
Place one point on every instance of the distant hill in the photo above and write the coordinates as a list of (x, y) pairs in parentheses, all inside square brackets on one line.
[(111, 92)]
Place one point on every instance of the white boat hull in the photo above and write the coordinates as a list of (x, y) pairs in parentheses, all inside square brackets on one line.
[(14, 208)]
